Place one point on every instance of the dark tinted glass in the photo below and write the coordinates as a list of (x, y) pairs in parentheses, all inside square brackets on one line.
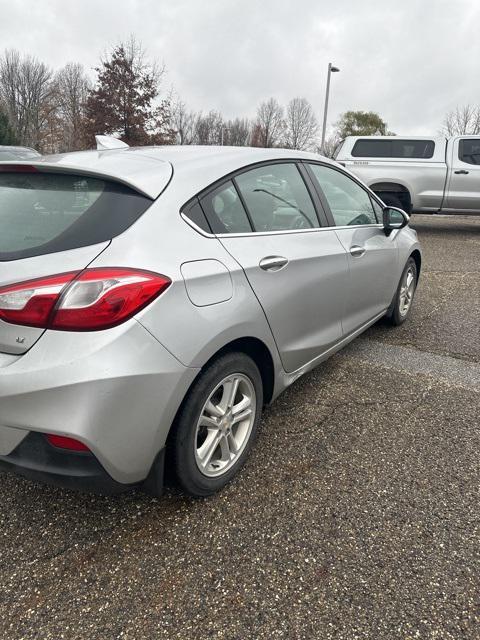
[(412, 148), (382, 148), (277, 199), (46, 212), (194, 212), (372, 149), (469, 151), (224, 210)]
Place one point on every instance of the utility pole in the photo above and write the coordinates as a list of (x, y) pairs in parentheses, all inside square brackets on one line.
[(331, 69)]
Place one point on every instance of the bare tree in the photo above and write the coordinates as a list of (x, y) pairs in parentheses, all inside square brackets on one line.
[(208, 128), (332, 143), (71, 87), (269, 124), (237, 132), (462, 121), (184, 123), (25, 85), (301, 126)]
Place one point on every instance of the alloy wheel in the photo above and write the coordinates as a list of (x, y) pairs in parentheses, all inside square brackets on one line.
[(406, 291), (225, 425)]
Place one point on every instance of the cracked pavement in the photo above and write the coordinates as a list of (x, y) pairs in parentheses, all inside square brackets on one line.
[(356, 517)]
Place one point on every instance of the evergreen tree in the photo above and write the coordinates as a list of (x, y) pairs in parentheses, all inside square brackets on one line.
[(122, 101)]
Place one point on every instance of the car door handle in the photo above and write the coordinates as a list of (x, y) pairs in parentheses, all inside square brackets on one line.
[(461, 172), (273, 263), (356, 251)]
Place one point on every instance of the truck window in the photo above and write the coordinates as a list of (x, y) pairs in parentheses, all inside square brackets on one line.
[(469, 151), (400, 148)]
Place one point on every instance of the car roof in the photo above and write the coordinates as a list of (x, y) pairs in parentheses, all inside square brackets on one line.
[(150, 169), (6, 147)]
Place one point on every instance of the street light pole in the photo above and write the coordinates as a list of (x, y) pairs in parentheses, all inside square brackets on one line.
[(331, 69)]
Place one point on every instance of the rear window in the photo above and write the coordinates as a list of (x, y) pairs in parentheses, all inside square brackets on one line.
[(381, 148), (43, 213)]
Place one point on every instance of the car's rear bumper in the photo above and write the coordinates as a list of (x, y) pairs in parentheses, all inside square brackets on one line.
[(116, 391), (34, 458)]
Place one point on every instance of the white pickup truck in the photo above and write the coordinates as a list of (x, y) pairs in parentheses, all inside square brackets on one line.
[(417, 174)]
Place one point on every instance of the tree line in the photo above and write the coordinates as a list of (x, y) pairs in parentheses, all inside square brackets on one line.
[(57, 111)]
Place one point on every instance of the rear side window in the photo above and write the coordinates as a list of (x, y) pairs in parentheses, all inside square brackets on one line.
[(43, 213), (277, 199), (194, 213), (381, 148), (469, 151), (224, 210)]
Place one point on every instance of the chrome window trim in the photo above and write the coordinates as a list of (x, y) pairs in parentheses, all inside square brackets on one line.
[(297, 161), (290, 231), (196, 227), (274, 233)]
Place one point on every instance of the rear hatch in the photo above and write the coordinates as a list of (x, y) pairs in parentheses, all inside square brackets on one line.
[(51, 223)]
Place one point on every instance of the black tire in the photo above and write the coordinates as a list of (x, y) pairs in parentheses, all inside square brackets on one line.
[(395, 315), (183, 438)]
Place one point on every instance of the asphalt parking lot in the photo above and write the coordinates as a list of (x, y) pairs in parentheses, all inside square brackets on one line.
[(356, 517)]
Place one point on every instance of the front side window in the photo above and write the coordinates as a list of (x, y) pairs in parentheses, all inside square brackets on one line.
[(277, 199), (224, 210), (378, 210), (349, 203), (469, 151)]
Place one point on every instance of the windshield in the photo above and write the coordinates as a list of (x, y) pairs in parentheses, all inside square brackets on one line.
[(47, 212)]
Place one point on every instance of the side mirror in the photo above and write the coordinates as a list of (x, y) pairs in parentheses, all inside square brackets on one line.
[(394, 218)]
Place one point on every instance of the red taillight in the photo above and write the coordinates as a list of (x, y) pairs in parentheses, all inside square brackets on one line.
[(81, 301), (32, 302), (62, 442)]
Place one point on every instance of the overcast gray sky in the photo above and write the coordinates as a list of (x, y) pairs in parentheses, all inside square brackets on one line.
[(409, 60)]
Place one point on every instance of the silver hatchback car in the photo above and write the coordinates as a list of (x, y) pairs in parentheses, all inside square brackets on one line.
[(153, 300)]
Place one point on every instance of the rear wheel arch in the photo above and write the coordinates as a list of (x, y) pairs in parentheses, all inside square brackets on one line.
[(393, 194), (259, 353), (257, 350), (418, 261)]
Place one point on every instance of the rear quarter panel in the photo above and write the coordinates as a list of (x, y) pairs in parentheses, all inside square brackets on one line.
[(163, 242)]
